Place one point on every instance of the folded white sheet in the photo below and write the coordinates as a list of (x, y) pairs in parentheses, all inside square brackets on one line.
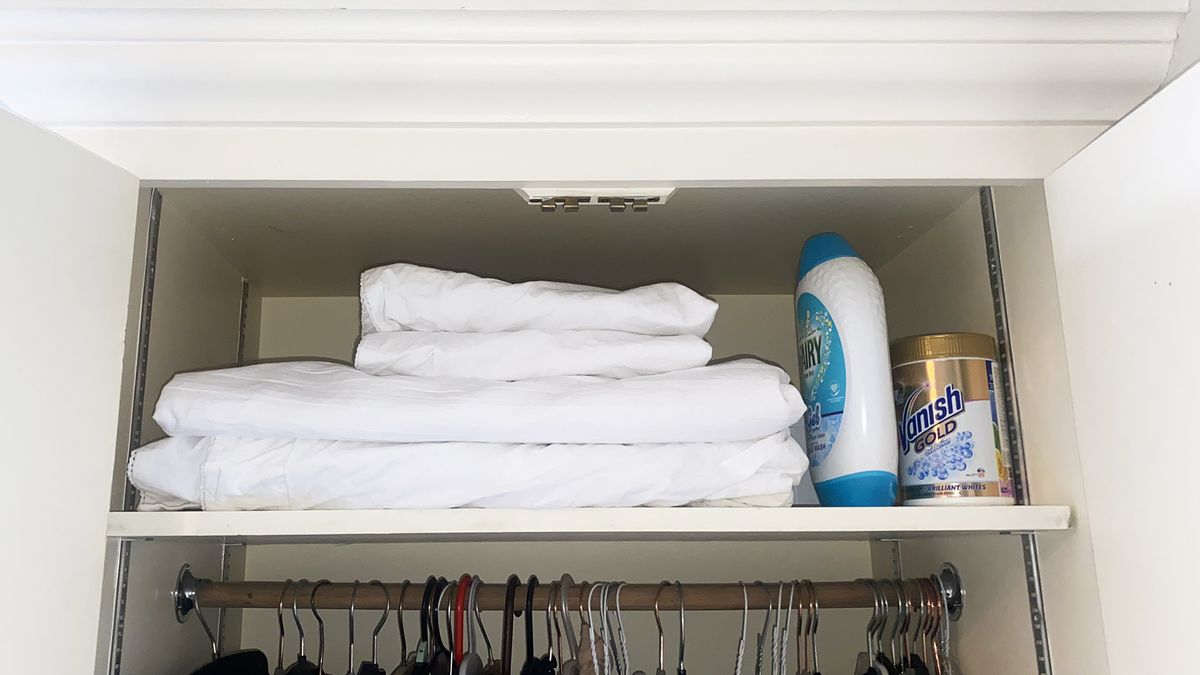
[(227, 474), (410, 297), (525, 354), (734, 401)]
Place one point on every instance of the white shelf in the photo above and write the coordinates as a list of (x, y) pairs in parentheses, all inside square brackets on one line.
[(586, 524)]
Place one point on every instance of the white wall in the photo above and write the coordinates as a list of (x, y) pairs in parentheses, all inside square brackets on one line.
[(67, 218), (940, 283), (304, 327), (1124, 218)]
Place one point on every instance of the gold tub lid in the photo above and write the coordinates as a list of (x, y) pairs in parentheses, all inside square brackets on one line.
[(942, 346)]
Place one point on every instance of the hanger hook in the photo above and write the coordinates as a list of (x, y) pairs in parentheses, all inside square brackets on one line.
[(572, 645), (658, 622), (816, 618), (741, 649), (312, 606), (350, 650), (387, 609), (296, 617), (682, 629), (216, 648), (787, 627), (621, 629), (475, 582), (400, 622), (279, 617)]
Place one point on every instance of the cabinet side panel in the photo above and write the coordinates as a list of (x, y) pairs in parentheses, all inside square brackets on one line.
[(940, 284), (68, 220), (194, 324), (197, 309), (1052, 456), (1123, 217)]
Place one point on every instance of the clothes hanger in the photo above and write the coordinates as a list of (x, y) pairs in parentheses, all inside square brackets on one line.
[(350, 615), (916, 664), (741, 647), (621, 628), (245, 662), (884, 663), (442, 661), (775, 626), (469, 663), (406, 662), (890, 659), (906, 611), (864, 663), (682, 669), (506, 646), (548, 662), (760, 639), (787, 628), (460, 614), (492, 666), (421, 657), (312, 606), (372, 667), (570, 666), (812, 618), (591, 659), (602, 627), (452, 631), (942, 647), (608, 636), (557, 611), (530, 665), (287, 584), (302, 666), (658, 622)]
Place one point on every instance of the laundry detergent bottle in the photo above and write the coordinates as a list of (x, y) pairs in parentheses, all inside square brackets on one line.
[(850, 424)]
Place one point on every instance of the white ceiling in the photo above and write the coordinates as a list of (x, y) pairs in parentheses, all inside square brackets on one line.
[(717, 240)]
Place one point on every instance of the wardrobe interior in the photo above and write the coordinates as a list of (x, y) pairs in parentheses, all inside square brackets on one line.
[(247, 274)]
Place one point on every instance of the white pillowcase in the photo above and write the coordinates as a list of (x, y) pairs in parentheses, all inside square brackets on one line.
[(252, 474), (735, 401), (410, 297), (526, 354)]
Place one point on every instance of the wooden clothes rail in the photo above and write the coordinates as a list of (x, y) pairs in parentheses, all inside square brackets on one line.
[(636, 597)]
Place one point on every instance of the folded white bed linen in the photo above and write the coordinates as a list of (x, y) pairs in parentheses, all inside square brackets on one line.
[(734, 401), (525, 354), (411, 297), (228, 474)]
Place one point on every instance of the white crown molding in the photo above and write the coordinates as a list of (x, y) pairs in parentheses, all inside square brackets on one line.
[(157, 65)]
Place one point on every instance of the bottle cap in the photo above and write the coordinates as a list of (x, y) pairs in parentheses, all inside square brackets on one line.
[(942, 346), (820, 248)]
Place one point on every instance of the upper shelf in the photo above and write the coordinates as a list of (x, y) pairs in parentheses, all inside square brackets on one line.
[(585, 524)]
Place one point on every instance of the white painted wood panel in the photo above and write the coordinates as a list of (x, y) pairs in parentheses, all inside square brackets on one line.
[(1123, 217), (513, 157), (1052, 450), (928, 90), (68, 220), (588, 524)]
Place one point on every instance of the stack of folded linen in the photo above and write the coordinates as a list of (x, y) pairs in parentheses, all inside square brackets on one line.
[(477, 392)]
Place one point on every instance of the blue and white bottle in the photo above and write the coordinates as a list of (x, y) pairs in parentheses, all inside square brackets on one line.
[(850, 424)]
